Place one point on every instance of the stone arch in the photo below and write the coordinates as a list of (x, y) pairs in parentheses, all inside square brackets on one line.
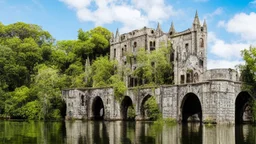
[(142, 108), (191, 108), (98, 109), (243, 111), (125, 104)]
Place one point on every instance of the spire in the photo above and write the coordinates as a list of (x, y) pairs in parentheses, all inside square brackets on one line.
[(172, 29), (204, 25), (158, 27), (196, 19), (117, 35)]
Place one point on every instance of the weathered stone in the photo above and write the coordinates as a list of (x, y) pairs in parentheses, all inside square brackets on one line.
[(215, 90)]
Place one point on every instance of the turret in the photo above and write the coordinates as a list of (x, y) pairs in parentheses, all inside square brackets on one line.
[(172, 29), (205, 25), (117, 36), (159, 30), (196, 23)]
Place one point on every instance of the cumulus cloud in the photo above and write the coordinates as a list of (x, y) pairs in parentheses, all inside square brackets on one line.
[(216, 12), (212, 64), (243, 25), (224, 50), (132, 14)]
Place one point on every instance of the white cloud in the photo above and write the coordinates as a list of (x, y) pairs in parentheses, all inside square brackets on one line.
[(77, 4), (242, 24), (132, 14), (224, 50), (212, 64), (216, 12)]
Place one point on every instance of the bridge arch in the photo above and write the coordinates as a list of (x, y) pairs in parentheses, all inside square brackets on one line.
[(191, 108), (125, 104), (143, 112), (243, 110), (98, 109)]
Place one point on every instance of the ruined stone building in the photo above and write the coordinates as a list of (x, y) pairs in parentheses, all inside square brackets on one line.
[(210, 95), (188, 54)]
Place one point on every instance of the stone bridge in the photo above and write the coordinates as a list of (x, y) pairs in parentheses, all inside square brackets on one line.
[(218, 98)]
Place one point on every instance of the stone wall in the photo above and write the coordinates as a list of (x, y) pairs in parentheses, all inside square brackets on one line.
[(217, 97)]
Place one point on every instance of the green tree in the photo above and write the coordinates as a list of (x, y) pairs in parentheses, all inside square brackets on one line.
[(248, 71), (153, 67), (151, 108), (47, 87)]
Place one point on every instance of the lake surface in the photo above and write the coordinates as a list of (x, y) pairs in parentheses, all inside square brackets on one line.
[(79, 132)]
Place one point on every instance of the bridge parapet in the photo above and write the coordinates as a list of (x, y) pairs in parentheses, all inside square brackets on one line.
[(221, 74)]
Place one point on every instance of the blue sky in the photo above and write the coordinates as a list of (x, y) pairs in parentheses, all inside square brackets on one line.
[(231, 23)]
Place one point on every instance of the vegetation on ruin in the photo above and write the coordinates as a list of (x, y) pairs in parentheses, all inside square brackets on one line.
[(131, 113), (34, 67), (248, 75), (151, 109)]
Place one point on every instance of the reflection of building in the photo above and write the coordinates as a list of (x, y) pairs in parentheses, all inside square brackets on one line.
[(188, 55), (210, 95)]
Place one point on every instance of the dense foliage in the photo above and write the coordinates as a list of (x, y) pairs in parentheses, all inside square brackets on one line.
[(151, 109), (248, 75), (34, 68)]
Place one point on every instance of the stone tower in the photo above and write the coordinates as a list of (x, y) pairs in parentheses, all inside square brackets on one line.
[(189, 49)]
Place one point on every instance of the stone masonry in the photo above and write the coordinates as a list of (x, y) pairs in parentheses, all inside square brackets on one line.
[(213, 95)]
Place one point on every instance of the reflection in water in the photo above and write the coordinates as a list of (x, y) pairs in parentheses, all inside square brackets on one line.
[(102, 132)]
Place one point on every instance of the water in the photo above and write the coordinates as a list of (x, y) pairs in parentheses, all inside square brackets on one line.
[(79, 132)]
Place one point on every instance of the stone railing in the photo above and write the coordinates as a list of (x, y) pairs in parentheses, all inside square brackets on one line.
[(221, 74)]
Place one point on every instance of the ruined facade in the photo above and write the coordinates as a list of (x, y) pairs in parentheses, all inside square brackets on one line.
[(208, 95), (188, 55)]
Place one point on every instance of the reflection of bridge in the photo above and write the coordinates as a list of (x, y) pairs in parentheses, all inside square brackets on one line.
[(218, 98), (120, 132)]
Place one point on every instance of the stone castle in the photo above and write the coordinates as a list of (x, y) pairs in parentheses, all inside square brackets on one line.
[(188, 55), (206, 95)]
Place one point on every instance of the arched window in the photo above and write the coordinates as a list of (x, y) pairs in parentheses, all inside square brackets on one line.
[(201, 42), (134, 46), (196, 77), (82, 100)]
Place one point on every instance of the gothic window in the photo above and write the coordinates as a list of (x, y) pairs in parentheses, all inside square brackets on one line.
[(82, 100), (172, 56), (170, 33), (114, 53), (134, 61), (182, 79), (201, 42), (196, 77), (186, 47), (122, 51), (152, 32), (125, 48), (151, 44), (188, 77), (202, 29), (201, 63), (134, 46)]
